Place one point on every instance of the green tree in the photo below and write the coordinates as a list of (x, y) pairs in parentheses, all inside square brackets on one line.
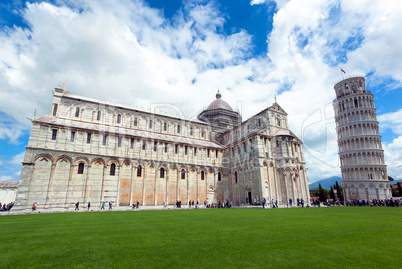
[(390, 178), (399, 188), (339, 191), (331, 193), (321, 193)]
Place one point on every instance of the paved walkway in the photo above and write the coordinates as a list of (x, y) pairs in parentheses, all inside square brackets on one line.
[(121, 208)]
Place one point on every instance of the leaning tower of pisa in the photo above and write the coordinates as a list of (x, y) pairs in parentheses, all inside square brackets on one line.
[(364, 173)]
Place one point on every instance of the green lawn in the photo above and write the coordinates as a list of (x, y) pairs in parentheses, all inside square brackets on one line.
[(209, 238)]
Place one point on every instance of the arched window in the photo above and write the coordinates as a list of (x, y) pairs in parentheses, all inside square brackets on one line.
[(81, 168), (118, 118), (77, 112), (54, 109), (162, 173), (178, 129), (135, 121), (235, 177), (202, 175), (112, 169), (150, 124), (54, 134), (165, 126), (183, 174), (278, 121), (219, 176), (139, 171), (191, 131), (277, 143), (202, 133)]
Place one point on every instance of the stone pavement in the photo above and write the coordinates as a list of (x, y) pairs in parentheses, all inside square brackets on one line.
[(120, 208)]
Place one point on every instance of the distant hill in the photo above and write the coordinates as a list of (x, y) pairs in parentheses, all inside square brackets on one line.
[(396, 181), (325, 183)]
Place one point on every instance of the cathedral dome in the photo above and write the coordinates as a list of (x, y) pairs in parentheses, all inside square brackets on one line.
[(219, 103)]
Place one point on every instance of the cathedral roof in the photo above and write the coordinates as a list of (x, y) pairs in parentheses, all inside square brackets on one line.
[(9, 184), (103, 128), (277, 108), (219, 103)]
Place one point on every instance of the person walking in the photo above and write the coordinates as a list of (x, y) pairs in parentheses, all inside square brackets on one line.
[(89, 205), (77, 206), (110, 205), (138, 204), (103, 205)]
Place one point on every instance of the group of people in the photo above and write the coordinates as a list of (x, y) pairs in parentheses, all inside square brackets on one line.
[(387, 202), (191, 204), (6, 207), (299, 202), (77, 206), (136, 205), (274, 204)]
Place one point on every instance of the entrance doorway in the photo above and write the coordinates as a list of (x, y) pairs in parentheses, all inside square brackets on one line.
[(250, 200)]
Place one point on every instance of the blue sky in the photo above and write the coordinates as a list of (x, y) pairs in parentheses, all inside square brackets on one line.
[(180, 52)]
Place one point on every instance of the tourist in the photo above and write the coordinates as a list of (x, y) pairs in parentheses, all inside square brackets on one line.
[(138, 204), (110, 205), (103, 205), (89, 205), (77, 206), (33, 206), (6, 207)]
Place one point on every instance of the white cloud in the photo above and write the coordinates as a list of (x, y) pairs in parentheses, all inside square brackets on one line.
[(257, 2), (393, 157), (392, 120), (17, 159), (128, 52), (5, 178)]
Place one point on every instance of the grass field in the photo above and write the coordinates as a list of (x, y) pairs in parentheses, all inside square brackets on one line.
[(213, 238)]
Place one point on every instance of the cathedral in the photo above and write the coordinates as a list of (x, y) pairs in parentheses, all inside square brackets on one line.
[(89, 150)]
